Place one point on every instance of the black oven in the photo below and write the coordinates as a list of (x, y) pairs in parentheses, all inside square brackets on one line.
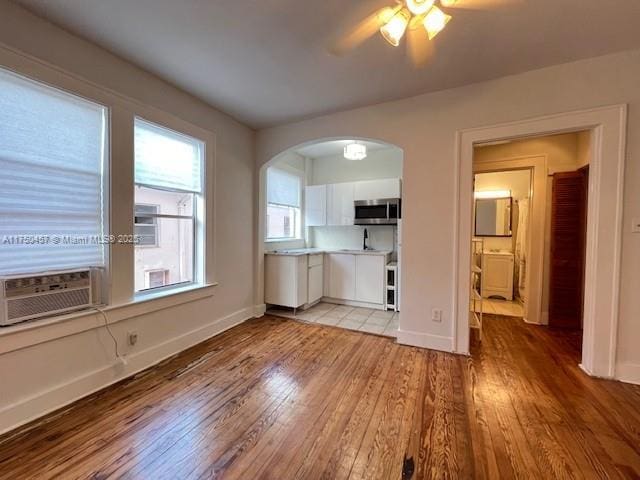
[(377, 212)]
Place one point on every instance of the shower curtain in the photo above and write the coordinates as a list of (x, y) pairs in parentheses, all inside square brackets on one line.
[(521, 247)]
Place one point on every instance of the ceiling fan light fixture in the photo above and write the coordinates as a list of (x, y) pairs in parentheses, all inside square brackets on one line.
[(419, 7), (394, 29), (355, 151), (435, 21)]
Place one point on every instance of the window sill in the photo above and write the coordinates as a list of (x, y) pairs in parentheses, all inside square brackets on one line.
[(23, 335), (283, 240)]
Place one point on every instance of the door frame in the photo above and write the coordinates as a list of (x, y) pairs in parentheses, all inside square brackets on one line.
[(604, 224), (534, 281)]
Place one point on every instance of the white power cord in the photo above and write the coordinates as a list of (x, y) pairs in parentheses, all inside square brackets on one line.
[(120, 358)]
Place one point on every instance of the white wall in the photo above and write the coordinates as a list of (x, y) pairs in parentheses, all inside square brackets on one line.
[(383, 163), (46, 375), (425, 128)]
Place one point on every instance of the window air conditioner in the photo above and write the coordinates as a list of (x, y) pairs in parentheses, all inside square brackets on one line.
[(27, 297)]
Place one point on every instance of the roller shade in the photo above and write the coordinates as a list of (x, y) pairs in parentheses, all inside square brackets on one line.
[(52, 150), (283, 188), (166, 159)]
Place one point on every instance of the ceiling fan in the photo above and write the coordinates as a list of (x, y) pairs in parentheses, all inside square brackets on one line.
[(420, 20)]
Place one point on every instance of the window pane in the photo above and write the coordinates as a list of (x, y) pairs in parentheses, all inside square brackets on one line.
[(283, 188), (174, 253), (167, 159), (282, 222), (150, 200), (52, 148), (146, 235)]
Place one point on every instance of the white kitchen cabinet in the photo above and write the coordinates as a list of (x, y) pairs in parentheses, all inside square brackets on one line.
[(286, 280), (370, 278), (377, 189), (315, 206), (316, 278), (342, 276), (340, 198), (497, 271)]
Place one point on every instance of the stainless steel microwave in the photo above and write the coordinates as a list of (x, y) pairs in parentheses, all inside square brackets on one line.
[(385, 211)]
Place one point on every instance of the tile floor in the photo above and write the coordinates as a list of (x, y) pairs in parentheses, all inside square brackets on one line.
[(352, 318), (503, 307)]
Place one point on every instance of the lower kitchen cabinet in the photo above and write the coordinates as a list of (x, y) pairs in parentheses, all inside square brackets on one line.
[(286, 280), (358, 278), (342, 276), (370, 278), (316, 278)]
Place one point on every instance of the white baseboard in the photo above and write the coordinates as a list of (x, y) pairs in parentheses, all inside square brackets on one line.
[(260, 310), (544, 318), (424, 340), (628, 372), (31, 408), (531, 323)]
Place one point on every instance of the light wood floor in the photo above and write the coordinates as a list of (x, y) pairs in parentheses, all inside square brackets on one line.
[(277, 398)]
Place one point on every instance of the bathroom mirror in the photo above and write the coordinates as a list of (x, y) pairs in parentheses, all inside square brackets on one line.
[(493, 217)]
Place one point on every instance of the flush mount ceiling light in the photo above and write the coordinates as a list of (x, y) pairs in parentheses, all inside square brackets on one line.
[(355, 151), (419, 20)]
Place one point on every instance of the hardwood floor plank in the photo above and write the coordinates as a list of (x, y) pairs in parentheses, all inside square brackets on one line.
[(275, 398)]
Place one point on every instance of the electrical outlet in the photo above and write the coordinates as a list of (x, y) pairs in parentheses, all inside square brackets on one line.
[(635, 225), (133, 338), (436, 315)]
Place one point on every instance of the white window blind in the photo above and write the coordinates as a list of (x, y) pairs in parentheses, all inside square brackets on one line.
[(52, 153), (283, 188), (166, 159)]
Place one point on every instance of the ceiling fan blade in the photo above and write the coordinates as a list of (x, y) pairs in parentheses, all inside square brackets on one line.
[(419, 47), (362, 31), (480, 4)]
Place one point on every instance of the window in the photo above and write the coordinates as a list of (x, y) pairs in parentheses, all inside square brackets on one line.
[(52, 159), (156, 278), (146, 227), (168, 205), (283, 205)]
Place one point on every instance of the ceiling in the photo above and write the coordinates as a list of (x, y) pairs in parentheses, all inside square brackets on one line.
[(265, 61), (336, 147)]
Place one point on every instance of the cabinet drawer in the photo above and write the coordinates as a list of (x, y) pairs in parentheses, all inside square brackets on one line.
[(316, 259)]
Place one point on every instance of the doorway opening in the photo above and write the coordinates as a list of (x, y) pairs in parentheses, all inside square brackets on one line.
[(530, 199), (330, 234)]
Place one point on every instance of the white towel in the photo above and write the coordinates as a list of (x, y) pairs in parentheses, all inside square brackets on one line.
[(521, 246)]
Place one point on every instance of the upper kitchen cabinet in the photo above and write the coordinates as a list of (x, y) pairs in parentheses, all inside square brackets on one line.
[(340, 198), (377, 189), (316, 205)]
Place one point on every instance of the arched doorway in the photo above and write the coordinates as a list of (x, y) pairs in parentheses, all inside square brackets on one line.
[(285, 225)]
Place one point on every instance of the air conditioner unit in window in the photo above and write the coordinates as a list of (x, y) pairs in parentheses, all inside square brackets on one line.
[(28, 297)]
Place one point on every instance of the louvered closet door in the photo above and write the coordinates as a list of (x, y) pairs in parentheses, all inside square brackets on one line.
[(568, 236)]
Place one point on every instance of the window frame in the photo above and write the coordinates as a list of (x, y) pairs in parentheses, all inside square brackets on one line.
[(148, 273), (299, 225), (198, 217), (155, 224)]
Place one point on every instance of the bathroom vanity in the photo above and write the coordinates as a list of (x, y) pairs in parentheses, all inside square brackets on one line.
[(497, 269)]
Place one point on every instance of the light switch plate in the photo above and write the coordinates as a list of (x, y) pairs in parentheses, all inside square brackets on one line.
[(635, 226)]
